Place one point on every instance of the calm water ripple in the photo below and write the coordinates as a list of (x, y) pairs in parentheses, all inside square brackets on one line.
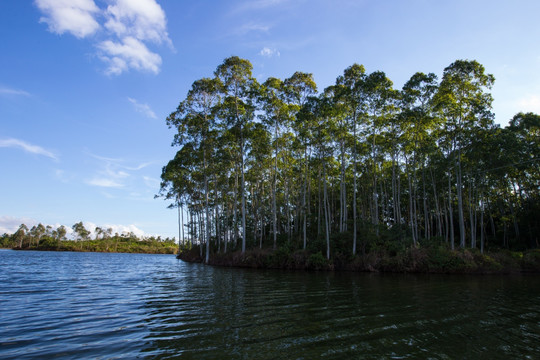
[(132, 306)]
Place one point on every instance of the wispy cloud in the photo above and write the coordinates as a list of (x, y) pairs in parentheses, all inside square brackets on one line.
[(15, 92), (267, 52), (113, 173), (151, 182), (33, 149), (251, 27), (143, 108), (128, 27)]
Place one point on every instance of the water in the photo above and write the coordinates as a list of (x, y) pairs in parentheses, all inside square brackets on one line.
[(127, 306)]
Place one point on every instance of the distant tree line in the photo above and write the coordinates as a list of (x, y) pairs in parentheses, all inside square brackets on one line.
[(41, 237), (354, 167)]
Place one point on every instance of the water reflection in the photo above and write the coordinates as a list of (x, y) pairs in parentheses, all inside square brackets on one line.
[(207, 313)]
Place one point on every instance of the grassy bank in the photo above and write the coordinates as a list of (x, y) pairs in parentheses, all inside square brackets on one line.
[(433, 259)]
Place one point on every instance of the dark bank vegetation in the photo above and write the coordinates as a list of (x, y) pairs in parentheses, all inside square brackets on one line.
[(46, 238), (359, 175), (432, 258)]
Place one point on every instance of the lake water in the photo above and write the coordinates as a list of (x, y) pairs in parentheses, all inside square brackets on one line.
[(128, 306)]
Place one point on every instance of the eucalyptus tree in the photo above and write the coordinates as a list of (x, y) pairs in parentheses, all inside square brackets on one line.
[(379, 94), (37, 232), (179, 182), (238, 88), (20, 235), (81, 231), (258, 174), (275, 112), (325, 127), (340, 132), (523, 157), (60, 232), (418, 122), (194, 119), (353, 83), (465, 104), (299, 88)]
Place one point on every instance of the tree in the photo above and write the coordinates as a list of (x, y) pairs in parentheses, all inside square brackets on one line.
[(417, 122), (195, 120), (238, 88), (20, 235), (353, 82), (465, 105), (80, 230)]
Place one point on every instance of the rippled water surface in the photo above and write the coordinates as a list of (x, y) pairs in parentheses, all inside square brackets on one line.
[(125, 306)]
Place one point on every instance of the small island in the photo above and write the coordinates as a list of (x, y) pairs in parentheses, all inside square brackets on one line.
[(359, 176), (46, 238)]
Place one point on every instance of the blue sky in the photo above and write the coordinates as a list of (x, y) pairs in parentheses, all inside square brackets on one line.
[(86, 85)]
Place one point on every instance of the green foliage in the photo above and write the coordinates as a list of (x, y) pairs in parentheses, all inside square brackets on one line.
[(317, 261)]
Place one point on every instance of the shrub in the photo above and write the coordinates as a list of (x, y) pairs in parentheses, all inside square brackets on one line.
[(317, 261)]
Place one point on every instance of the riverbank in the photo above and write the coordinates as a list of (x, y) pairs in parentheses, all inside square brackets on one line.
[(411, 260)]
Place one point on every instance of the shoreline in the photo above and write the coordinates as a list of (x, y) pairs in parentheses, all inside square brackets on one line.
[(412, 260)]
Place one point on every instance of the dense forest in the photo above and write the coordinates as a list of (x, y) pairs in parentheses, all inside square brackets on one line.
[(40, 237), (352, 169)]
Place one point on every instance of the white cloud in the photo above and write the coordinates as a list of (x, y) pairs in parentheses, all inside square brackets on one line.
[(530, 104), (74, 16), (141, 19), (10, 224), (116, 228), (267, 52), (128, 53), (34, 149), (9, 91), (127, 25), (143, 108)]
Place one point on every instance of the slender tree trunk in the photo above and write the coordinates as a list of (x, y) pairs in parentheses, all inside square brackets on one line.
[(326, 215), (206, 210), (450, 213), (180, 224), (305, 210), (460, 203), (437, 207), (354, 187), (482, 223), (242, 188), (235, 210)]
